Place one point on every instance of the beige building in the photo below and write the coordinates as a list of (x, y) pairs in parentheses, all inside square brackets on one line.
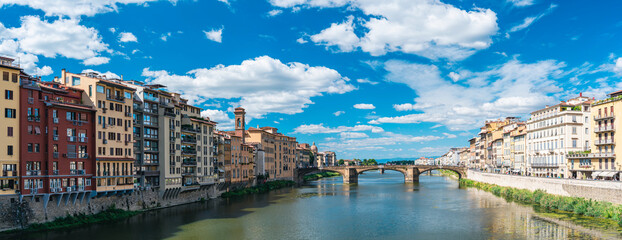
[(555, 131), (113, 101), (9, 126), (599, 161), (517, 136)]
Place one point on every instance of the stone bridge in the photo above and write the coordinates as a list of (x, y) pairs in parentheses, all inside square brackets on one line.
[(351, 173)]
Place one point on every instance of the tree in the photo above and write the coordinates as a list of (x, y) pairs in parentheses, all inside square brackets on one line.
[(341, 162)]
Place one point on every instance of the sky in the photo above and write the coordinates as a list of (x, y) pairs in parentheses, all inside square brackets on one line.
[(363, 78)]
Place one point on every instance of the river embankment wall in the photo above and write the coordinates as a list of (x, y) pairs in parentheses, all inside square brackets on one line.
[(609, 191), (41, 209)]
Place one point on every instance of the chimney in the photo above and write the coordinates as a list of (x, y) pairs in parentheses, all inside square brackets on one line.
[(580, 94)]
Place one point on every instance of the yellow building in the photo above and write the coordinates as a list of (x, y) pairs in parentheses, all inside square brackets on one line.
[(113, 101), (9, 126), (280, 151), (600, 161)]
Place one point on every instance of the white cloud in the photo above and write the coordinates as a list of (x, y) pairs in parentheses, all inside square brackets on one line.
[(214, 35), (364, 106), (319, 128), (127, 37), (262, 85), (74, 8), (95, 61), (454, 76), (44, 71), (530, 20), (63, 37), (337, 113), (225, 122), (344, 135), (388, 139), (112, 30), (430, 28), (107, 74), (301, 40), (338, 35), (449, 135), (361, 80), (510, 89), (165, 36), (274, 12), (521, 3), (617, 68)]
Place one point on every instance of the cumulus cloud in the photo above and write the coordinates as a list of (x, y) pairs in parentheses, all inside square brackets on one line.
[(62, 37), (617, 68), (337, 113), (301, 40), (127, 37), (364, 106), (510, 89), (214, 35), (74, 8), (427, 28), (353, 135), (320, 128), (225, 122), (262, 85)]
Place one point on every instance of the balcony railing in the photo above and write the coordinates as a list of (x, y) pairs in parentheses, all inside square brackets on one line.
[(544, 165), (33, 172), (71, 138), (603, 117), (188, 128), (82, 139), (76, 172), (189, 140), (603, 141), (189, 151), (190, 162), (118, 98), (34, 118), (605, 128)]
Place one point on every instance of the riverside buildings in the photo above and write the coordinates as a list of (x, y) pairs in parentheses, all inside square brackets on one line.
[(553, 132)]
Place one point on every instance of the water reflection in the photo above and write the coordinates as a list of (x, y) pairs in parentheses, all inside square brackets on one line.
[(379, 207)]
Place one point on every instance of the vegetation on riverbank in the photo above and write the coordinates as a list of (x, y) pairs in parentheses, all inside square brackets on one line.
[(541, 199), (317, 176), (80, 219), (272, 185), (448, 173)]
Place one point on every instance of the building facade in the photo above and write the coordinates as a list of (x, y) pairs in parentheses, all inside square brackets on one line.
[(9, 126)]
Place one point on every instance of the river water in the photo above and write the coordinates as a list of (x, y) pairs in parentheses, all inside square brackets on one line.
[(381, 206)]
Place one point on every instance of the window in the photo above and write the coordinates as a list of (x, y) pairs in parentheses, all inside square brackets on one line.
[(128, 95), (30, 147), (8, 94), (100, 89), (9, 150), (14, 77), (9, 113), (9, 131), (90, 90), (5, 76), (75, 81)]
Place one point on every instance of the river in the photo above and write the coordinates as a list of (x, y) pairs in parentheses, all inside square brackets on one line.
[(381, 206)]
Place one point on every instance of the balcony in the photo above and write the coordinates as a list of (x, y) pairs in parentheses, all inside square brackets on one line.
[(603, 155), (152, 111), (76, 172), (138, 108), (116, 98), (189, 173), (169, 113), (604, 141), (76, 122), (189, 151), (150, 149), (149, 173), (603, 117), (33, 172), (605, 128), (190, 140), (82, 139), (189, 162), (189, 129), (545, 165), (34, 118)]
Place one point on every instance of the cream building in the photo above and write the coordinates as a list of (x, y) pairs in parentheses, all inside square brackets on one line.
[(600, 161), (9, 126), (553, 132)]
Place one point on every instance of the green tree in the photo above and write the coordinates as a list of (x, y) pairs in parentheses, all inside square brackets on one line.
[(341, 162)]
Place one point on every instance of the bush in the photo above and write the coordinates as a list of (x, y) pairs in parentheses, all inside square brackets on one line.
[(540, 198), (272, 185)]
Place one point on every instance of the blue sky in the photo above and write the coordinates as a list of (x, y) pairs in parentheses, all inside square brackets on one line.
[(363, 78)]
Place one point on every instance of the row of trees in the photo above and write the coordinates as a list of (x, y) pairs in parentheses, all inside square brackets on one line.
[(365, 162)]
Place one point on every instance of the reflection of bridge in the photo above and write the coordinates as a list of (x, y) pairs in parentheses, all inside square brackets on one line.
[(351, 173)]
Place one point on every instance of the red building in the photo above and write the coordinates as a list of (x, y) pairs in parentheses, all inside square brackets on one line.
[(57, 138)]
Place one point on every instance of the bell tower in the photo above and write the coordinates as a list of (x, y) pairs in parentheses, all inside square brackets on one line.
[(240, 122)]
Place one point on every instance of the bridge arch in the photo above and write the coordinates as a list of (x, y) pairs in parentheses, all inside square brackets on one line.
[(458, 171)]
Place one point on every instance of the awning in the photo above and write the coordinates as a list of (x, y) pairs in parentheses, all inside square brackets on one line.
[(516, 170), (596, 174), (608, 174)]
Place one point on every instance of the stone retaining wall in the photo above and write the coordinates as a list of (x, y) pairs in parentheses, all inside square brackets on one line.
[(135, 201), (609, 191)]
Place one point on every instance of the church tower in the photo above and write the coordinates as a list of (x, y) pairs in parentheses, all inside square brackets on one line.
[(240, 122)]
